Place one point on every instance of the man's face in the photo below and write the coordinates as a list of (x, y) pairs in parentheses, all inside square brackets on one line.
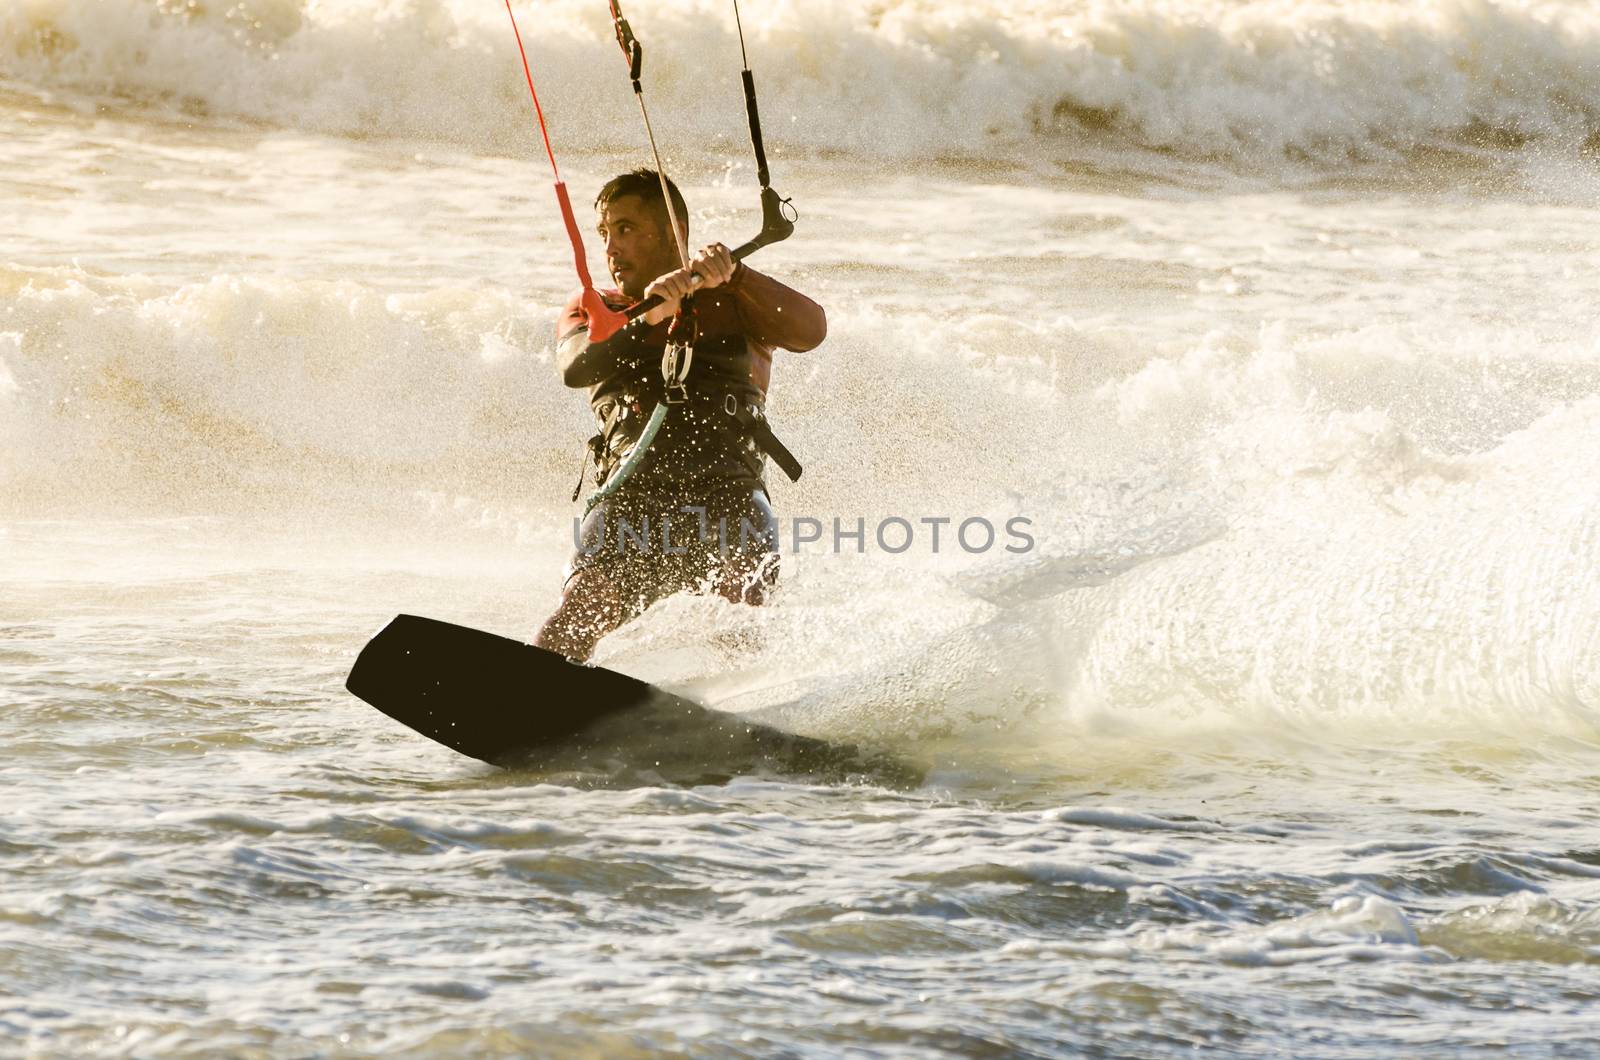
[(639, 247)]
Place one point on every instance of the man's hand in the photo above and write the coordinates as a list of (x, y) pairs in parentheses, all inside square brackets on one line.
[(715, 265), (712, 267)]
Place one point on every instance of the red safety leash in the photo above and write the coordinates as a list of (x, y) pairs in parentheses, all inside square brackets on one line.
[(603, 320)]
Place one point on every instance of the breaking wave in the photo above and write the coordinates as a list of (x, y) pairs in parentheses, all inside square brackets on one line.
[(1235, 528), (1318, 81)]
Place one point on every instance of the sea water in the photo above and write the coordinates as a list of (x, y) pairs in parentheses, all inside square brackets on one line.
[(1274, 320)]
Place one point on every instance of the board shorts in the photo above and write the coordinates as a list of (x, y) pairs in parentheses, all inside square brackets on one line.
[(651, 545)]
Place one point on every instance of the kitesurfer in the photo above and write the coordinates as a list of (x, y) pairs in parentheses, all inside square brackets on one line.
[(694, 513)]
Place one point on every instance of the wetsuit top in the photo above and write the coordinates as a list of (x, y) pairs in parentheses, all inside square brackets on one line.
[(740, 324)]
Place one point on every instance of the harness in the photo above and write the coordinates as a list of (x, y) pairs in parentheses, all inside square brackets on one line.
[(732, 413)]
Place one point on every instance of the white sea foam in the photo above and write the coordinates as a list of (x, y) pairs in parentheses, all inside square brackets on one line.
[(10, 344), (1321, 80), (1222, 534)]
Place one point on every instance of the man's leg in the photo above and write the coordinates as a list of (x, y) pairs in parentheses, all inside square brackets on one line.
[(745, 579), (590, 608), (750, 568)]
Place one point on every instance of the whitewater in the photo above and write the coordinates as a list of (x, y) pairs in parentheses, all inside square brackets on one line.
[(1275, 319)]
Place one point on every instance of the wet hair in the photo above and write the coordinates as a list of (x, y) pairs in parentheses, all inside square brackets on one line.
[(646, 184)]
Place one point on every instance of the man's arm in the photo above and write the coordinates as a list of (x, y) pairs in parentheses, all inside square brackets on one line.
[(774, 314), (584, 363)]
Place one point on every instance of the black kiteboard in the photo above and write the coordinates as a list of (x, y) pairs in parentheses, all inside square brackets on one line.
[(508, 703)]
